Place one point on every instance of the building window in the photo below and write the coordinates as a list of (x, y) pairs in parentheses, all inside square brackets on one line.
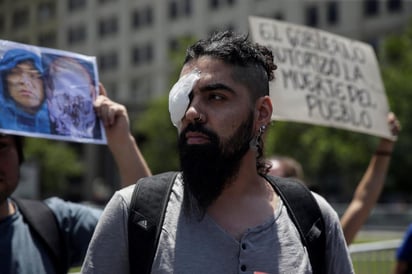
[(213, 4), (136, 19), (278, 15), (311, 16), (371, 7), (76, 34), (333, 12), (178, 8), (136, 56), (74, 5), (148, 12), (108, 61), (394, 5), (47, 39), (46, 11), (188, 8), (141, 18), (173, 10), (20, 18), (142, 54), (106, 1), (108, 26)]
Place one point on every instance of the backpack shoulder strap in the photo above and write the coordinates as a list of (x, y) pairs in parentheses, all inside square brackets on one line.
[(43, 225), (146, 214), (306, 215)]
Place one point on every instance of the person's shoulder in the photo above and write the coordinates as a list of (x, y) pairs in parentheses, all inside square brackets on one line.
[(67, 209), (55, 202), (126, 193), (328, 212)]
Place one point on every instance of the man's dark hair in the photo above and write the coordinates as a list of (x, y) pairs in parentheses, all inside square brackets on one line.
[(252, 63)]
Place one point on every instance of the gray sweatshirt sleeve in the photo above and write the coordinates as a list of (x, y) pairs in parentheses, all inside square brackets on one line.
[(337, 254), (108, 249)]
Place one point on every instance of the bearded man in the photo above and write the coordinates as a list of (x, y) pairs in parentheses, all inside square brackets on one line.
[(223, 215)]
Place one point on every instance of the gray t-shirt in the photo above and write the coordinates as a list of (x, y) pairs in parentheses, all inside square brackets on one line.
[(189, 245)]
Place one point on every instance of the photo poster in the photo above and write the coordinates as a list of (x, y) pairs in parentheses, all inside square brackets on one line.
[(48, 93), (323, 78)]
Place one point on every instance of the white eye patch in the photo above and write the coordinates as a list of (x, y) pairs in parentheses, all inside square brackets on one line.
[(179, 96)]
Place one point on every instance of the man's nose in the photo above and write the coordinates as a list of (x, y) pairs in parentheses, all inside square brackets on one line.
[(27, 80)]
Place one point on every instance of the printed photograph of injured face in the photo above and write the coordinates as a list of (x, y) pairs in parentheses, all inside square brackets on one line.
[(22, 95), (70, 94)]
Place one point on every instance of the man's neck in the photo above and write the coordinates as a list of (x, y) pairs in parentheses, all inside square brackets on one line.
[(246, 202), (6, 209)]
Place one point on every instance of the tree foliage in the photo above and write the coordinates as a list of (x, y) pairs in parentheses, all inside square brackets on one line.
[(158, 137), (58, 161), (396, 64)]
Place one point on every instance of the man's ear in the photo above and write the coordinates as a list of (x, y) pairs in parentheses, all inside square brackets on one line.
[(263, 111)]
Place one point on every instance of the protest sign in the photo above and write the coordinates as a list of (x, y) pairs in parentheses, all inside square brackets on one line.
[(323, 78), (48, 93)]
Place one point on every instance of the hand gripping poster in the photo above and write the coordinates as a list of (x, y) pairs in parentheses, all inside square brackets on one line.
[(323, 78), (48, 93)]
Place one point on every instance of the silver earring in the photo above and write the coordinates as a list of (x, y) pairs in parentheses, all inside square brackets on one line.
[(255, 142)]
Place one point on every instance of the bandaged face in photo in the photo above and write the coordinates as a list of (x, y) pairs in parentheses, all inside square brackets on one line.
[(70, 101)]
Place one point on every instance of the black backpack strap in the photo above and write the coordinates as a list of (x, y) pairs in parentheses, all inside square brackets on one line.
[(307, 217), (146, 214), (43, 225)]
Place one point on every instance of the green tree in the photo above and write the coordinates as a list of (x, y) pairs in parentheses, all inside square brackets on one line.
[(396, 64), (58, 162), (156, 134)]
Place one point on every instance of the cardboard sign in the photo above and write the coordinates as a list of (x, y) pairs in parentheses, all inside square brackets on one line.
[(323, 78), (48, 93)]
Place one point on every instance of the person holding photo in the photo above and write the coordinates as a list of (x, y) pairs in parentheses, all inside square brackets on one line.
[(70, 95), (22, 92), (22, 249)]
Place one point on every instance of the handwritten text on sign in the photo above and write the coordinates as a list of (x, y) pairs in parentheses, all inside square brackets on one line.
[(323, 78)]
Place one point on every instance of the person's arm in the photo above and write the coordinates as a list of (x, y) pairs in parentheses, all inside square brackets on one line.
[(130, 161), (369, 188)]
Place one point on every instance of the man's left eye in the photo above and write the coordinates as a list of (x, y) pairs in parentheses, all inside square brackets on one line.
[(217, 97)]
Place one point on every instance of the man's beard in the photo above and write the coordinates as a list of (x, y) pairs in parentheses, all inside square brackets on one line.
[(209, 168)]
